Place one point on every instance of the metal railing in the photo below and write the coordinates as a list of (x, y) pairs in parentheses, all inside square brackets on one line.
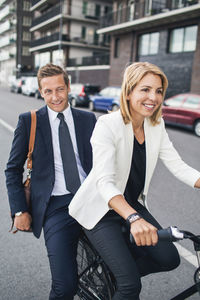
[(89, 60), (140, 10), (49, 39), (52, 12)]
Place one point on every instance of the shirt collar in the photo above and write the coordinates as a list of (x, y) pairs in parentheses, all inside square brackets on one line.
[(53, 114)]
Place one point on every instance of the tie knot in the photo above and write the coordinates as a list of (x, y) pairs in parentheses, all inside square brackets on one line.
[(60, 116)]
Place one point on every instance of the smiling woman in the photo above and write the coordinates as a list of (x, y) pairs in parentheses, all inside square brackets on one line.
[(126, 146)]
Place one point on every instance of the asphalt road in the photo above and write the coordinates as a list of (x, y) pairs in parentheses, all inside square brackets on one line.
[(24, 270)]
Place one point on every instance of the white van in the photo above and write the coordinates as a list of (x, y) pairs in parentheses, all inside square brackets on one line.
[(30, 86)]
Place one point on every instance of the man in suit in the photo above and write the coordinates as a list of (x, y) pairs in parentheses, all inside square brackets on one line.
[(62, 158)]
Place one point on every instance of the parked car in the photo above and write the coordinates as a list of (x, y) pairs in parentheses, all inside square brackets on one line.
[(183, 110), (107, 99), (80, 93), (16, 85), (30, 86)]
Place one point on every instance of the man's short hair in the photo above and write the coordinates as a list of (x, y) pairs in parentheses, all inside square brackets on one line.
[(51, 70)]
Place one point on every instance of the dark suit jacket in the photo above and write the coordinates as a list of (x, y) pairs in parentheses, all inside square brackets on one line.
[(43, 173)]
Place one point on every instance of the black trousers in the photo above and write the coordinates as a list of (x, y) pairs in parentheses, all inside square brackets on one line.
[(128, 262), (61, 234)]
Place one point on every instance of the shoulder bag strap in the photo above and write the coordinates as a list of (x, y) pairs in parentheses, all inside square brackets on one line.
[(31, 139)]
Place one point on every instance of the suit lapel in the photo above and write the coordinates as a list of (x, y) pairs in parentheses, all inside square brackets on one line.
[(44, 127), (79, 134)]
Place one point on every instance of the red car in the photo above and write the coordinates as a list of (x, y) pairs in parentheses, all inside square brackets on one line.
[(183, 110)]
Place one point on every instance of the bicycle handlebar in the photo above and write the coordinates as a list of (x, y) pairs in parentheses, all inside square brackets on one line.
[(173, 234)]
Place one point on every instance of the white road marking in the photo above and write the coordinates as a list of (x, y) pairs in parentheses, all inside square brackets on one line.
[(7, 126), (186, 254)]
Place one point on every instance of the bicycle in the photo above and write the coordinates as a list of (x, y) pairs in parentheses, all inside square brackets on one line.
[(96, 282)]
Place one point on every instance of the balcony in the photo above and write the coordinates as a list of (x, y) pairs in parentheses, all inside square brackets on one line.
[(89, 61), (5, 26), (49, 39), (140, 10), (5, 41), (52, 12), (6, 11)]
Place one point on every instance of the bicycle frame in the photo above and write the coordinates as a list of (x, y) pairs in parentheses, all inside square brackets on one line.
[(87, 290)]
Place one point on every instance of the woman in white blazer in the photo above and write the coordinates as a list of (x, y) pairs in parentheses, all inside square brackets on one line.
[(126, 146)]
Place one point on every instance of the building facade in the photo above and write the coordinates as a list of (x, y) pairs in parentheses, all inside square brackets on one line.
[(165, 32), (64, 32), (15, 21)]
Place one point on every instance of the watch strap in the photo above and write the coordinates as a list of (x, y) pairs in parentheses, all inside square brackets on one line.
[(132, 218)]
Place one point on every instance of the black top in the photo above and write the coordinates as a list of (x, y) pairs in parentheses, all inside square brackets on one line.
[(135, 183)]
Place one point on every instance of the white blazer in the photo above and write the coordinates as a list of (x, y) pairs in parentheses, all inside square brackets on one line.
[(112, 144)]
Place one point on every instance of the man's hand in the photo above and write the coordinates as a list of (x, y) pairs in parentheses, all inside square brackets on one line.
[(144, 233), (23, 222)]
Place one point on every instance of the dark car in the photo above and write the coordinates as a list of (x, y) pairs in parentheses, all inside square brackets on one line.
[(107, 99), (80, 94), (183, 110)]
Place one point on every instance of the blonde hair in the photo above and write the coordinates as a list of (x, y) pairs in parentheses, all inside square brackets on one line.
[(51, 70), (132, 76)]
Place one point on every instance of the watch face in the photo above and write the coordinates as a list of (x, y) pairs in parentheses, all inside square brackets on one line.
[(18, 214)]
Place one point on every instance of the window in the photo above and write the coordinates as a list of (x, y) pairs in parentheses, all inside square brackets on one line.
[(25, 51), (26, 5), (83, 32), (192, 102), (84, 8), (183, 39), (149, 43), (96, 38), (26, 21), (26, 36), (97, 10), (116, 49)]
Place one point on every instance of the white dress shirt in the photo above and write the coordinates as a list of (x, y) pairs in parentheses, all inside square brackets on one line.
[(59, 185)]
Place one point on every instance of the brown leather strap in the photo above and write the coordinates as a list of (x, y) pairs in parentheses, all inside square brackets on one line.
[(31, 139)]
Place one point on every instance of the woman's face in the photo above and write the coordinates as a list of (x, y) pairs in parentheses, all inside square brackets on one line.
[(146, 96)]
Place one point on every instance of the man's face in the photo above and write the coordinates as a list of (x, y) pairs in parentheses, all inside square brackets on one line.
[(55, 92)]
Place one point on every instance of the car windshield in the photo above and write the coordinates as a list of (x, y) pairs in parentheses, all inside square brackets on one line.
[(110, 92), (175, 101), (192, 102), (91, 89)]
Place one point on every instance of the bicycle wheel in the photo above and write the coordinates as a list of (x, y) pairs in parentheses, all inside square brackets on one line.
[(197, 279), (95, 280)]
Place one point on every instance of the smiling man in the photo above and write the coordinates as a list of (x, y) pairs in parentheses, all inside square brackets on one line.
[(62, 158)]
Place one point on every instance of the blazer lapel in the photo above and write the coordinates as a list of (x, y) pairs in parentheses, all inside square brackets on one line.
[(79, 136), (44, 127)]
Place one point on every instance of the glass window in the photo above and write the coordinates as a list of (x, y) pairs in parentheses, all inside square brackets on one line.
[(84, 8), (149, 43), (175, 101), (26, 36), (26, 5), (116, 49), (192, 102), (183, 39), (25, 51), (83, 32), (26, 21), (97, 10)]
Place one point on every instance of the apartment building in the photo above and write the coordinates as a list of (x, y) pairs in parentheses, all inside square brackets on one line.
[(15, 21), (64, 32), (165, 32)]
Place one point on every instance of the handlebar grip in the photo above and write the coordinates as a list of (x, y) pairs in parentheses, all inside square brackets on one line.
[(165, 234), (170, 234)]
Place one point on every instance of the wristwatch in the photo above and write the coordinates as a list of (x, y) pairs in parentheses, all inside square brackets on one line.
[(18, 214), (132, 218)]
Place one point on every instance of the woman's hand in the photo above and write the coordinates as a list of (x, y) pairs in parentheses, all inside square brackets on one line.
[(144, 233)]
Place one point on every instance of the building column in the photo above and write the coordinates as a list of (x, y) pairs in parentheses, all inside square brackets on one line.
[(195, 87)]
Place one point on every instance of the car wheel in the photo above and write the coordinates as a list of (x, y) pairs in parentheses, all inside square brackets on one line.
[(91, 106), (73, 102), (115, 107), (197, 128)]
